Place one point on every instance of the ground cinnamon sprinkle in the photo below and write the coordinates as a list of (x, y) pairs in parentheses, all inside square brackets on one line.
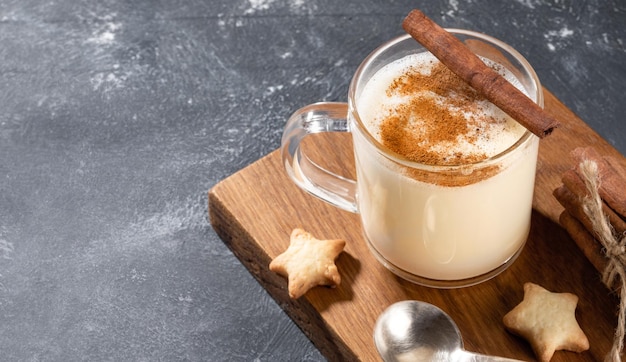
[(439, 98)]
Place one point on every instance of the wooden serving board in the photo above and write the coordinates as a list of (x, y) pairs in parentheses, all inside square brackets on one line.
[(255, 210)]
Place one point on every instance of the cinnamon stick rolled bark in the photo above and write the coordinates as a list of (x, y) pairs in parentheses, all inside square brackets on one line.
[(573, 203), (461, 61), (612, 187)]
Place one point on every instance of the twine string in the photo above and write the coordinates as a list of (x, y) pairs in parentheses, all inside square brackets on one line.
[(614, 275)]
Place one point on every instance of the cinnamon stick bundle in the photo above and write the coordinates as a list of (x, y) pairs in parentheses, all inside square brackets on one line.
[(572, 193), (465, 64)]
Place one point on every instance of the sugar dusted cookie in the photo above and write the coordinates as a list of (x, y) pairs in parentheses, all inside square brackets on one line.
[(548, 321), (308, 262)]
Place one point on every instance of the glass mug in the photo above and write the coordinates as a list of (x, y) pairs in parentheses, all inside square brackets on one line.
[(457, 233)]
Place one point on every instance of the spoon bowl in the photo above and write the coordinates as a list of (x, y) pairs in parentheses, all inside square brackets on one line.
[(419, 331)]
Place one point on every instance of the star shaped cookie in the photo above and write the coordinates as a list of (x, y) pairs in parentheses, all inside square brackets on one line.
[(548, 321), (308, 262)]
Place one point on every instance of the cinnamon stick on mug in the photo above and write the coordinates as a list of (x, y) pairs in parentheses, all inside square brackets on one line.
[(461, 61)]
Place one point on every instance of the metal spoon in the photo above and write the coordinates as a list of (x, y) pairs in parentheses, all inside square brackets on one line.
[(419, 331)]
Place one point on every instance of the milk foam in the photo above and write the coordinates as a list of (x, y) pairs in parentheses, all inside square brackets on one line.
[(492, 131)]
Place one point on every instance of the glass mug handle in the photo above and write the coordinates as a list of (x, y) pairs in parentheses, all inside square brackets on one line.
[(309, 176)]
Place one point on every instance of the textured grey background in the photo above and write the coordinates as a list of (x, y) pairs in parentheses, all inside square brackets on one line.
[(116, 117)]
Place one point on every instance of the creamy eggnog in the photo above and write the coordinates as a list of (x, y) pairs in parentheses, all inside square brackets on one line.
[(453, 201)]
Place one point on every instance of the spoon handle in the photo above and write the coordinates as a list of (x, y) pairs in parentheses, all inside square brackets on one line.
[(475, 357)]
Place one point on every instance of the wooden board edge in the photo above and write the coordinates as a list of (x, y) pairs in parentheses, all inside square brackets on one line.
[(256, 260)]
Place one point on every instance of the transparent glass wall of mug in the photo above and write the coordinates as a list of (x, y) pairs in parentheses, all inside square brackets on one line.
[(440, 226)]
